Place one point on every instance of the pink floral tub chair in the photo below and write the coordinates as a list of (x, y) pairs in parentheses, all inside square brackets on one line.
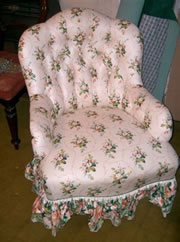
[(100, 140)]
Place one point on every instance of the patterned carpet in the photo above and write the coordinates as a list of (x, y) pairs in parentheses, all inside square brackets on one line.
[(17, 198)]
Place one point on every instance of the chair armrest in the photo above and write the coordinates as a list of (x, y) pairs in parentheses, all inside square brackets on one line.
[(42, 124), (149, 112)]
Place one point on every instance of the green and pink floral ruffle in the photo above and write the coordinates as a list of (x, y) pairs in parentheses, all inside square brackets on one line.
[(55, 214)]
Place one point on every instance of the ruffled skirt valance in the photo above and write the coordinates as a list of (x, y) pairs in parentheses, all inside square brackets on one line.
[(55, 214)]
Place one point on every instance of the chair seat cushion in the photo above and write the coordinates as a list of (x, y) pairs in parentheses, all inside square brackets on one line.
[(104, 152), (11, 81)]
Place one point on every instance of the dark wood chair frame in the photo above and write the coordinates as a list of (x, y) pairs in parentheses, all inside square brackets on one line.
[(10, 105), (11, 116)]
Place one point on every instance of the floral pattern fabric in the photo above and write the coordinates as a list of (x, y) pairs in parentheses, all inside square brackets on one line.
[(96, 132), (100, 143), (55, 214)]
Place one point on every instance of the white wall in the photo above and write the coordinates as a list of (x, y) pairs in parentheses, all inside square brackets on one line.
[(107, 7), (172, 99), (177, 7)]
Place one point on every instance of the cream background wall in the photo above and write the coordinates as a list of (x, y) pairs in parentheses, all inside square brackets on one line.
[(107, 7), (177, 7), (172, 99)]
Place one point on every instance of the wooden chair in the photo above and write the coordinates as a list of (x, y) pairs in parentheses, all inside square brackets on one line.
[(11, 88), (13, 22)]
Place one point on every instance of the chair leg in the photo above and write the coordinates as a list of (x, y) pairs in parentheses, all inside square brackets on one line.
[(11, 116)]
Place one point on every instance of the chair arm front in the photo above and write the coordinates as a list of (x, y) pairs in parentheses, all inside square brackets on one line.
[(151, 115), (42, 124)]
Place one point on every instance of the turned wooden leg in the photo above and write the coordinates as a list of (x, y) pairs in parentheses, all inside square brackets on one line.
[(10, 110)]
